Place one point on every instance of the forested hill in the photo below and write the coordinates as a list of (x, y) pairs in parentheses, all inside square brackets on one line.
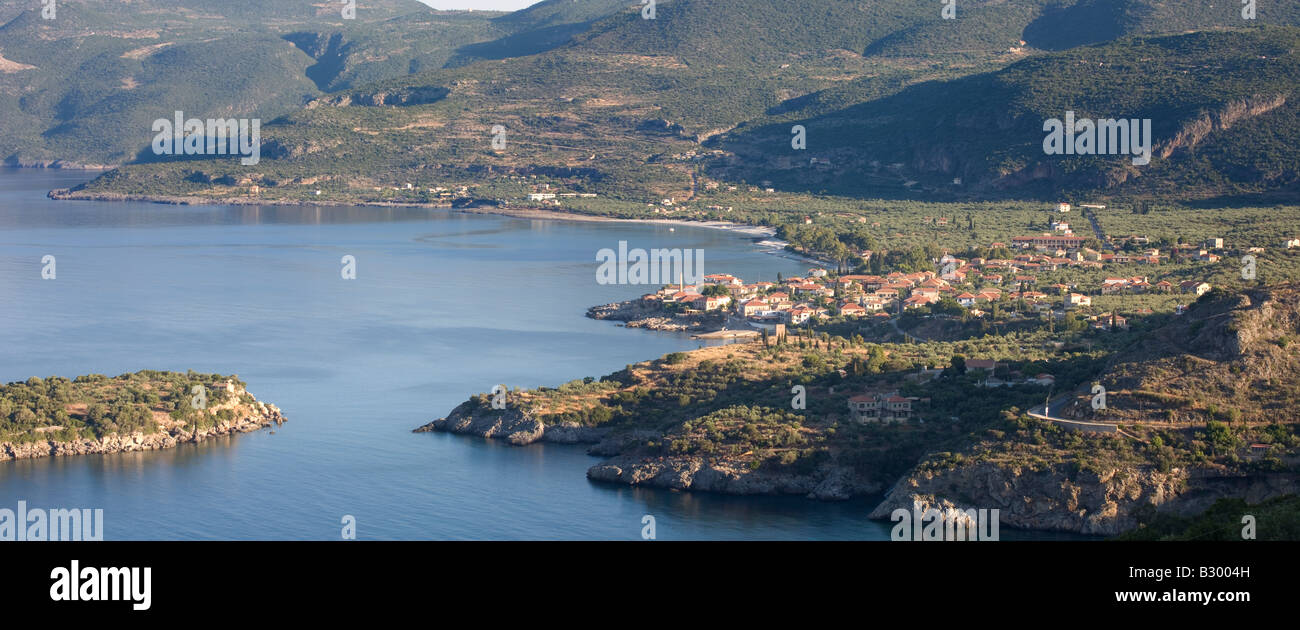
[(897, 101), (1222, 108)]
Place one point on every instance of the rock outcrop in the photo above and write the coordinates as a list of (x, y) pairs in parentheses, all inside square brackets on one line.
[(514, 425), (695, 473), (638, 314), (1085, 503), (256, 416)]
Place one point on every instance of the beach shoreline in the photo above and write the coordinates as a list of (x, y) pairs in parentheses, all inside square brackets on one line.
[(763, 237)]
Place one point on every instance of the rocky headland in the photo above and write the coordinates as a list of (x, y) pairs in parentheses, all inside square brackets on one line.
[(232, 410)]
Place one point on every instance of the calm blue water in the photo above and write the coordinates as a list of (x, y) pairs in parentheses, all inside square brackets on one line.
[(444, 305)]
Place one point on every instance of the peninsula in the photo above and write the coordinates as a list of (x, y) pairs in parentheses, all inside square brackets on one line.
[(840, 407)]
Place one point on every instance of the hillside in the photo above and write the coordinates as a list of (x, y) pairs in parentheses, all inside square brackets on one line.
[(1205, 406), (1233, 357), (83, 88), (1221, 105), (723, 419), (897, 101)]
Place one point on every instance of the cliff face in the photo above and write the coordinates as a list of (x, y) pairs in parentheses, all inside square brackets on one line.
[(247, 418), (695, 473), (1085, 503), (519, 427)]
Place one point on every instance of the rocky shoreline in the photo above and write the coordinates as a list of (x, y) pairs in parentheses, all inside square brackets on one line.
[(1053, 499), (260, 416), (519, 427), (513, 425), (828, 483), (635, 314), (1050, 499)]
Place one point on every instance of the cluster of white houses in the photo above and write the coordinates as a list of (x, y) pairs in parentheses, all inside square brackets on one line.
[(972, 283), (797, 300)]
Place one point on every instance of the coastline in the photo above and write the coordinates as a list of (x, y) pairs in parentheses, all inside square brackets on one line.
[(1052, 499), (57, 164), (233, 410), (756, 233), (140, 441)]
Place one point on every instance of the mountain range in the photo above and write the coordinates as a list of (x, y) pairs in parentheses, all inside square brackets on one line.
[(895, 99)]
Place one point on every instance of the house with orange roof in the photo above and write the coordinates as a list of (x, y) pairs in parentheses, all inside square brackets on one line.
[(852, 310), (800, 314), (919, 300), (881, 407), (722, 278), (754, 307)]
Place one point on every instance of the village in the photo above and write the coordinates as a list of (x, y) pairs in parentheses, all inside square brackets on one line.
[(1005, 286), (1005, 289)]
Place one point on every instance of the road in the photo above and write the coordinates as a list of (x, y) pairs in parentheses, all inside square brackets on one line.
[(1052, 414), (1053, 409), (1096, 227)]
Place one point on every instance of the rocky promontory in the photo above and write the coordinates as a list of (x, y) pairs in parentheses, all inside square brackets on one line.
[(1083, 502), (134, 412), (514, 425), (638, 314), (139, 441)]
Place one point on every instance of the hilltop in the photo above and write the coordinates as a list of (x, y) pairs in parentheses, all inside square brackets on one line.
[(1232, 357)]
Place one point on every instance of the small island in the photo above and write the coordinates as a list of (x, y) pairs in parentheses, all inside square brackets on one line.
[(144, 411)]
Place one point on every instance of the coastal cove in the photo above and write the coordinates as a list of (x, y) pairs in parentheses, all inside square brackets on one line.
[(444, 304)]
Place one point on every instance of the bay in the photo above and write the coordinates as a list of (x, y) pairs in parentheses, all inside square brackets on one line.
[(444, 305)]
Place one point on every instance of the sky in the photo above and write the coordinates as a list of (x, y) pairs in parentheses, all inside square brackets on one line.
[(486, 5)]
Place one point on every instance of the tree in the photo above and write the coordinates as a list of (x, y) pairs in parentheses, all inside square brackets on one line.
[(958, 364)]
